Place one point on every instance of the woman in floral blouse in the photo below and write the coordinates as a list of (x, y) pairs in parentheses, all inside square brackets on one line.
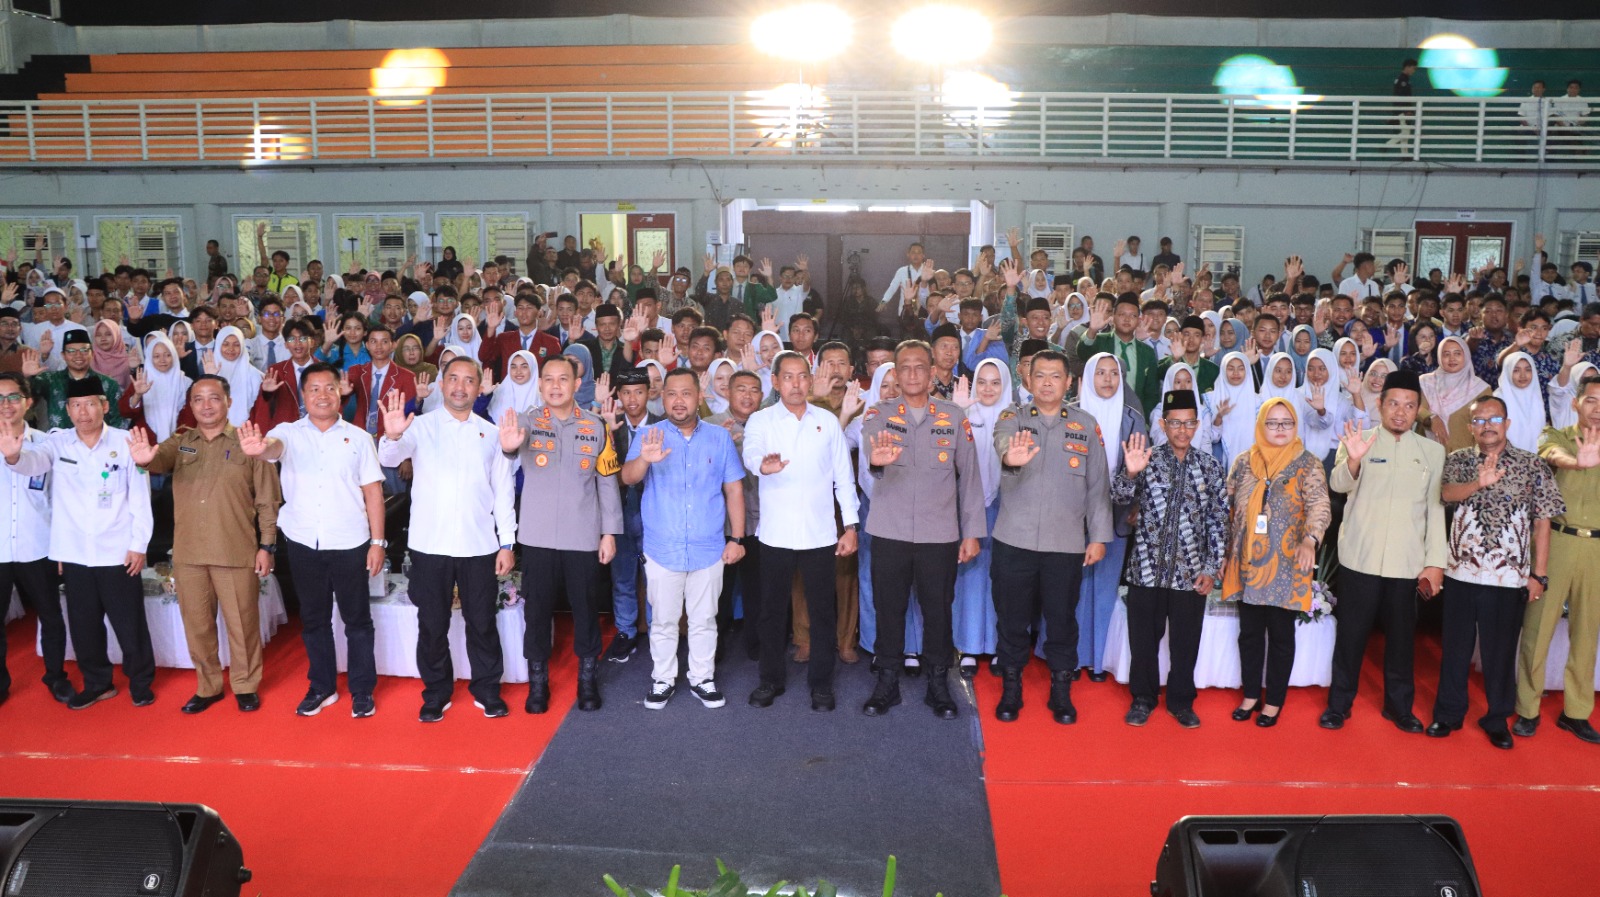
[(1279, 498)]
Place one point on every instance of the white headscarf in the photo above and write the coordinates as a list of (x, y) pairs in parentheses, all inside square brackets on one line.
[(762, 370), (983, 418), (1524, 405), (169, 390), (870, 396), (1237, 429), (513, 396), (1562, 414), (244, 381), (717, 404), (1344, 378), (1334, 397), (655, 406), (1083, 315), (453, 338), (299, 295), (1106, 412), (1290, 393), (424, 310), (1370, 399), (1031, 287)]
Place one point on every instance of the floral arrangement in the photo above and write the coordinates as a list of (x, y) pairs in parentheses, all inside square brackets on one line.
[(1323, 602), (508, 595)]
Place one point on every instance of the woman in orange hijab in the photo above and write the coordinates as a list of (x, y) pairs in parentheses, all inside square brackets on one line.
[(1279, 498)]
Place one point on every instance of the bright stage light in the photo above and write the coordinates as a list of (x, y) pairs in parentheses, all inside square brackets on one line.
[(789, 112), (1269, 84), (941, 33), (976, 100), (808, 32), (1456, 64), (406, 76)]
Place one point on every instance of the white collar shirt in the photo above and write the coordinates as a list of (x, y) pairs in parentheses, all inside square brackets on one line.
[(26, 520), (461, 485), (100, 500), (322, 475), (258, 350), (797, 502)]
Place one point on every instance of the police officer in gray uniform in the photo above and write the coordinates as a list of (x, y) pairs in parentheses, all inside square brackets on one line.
[(571, 514), (928, 515), (1055, 519)]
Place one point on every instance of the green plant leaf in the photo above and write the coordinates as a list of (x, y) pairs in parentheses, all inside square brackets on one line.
[(773, 891), (612, 884), (888, 878), (672, 881), (722, 868), (825, 890), (799, 891)]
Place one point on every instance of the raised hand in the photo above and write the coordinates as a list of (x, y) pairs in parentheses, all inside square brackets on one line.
[(251, 442), (766, 270), (1356, 445), (1021, 449), (395, 418), (1014, 236), (1293, 269), (1456, 284), (1223, 408), (1588, 448), (212, 363), (747, 357), (1011, 270), (654, 449), (1099, 315), (1319, 317), (1573, 353), (925, 273), (769, 319), (992, 332), (487, 385), (852, 402), (1402, 273), (1538, 242), (667, 351), (139, 446), (1317, 399), (962, 394), (710, 263), (11, 445), (330, 332), (494, 317), (909, 293), (345, 386), (1116, 251), (602, 388), (657, 259), (141, 381), (772, 464), (47, 344), (885, 450), (1252, 352), (1347, 259), (424, 386), (512, 435), (608, 413), (1136, 454), (637, 324), (1489, 470), (801, 264)]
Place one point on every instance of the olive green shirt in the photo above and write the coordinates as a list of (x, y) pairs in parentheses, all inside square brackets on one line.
[(1580, 489)]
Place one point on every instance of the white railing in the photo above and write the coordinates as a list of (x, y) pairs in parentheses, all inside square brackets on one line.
[(870, 125)]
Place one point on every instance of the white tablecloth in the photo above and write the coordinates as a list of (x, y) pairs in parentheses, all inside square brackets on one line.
[(1555, 666), (394, 623), (14, 609), (1218, 663), (166, 626)]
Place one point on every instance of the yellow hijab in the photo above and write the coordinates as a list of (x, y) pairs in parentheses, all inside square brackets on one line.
[(1266, 461)]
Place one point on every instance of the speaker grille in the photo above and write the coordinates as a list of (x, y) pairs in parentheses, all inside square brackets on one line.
[(100, 853), (1380, 860)]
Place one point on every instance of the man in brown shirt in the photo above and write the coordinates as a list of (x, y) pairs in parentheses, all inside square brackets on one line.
[(225, 531)]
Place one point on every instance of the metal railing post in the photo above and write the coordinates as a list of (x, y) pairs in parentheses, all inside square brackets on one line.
[(33, 147), (88, 141), (1229, 144), (916, 126), (200, 129), (1044, 110), (1483, 128), (1105, 126), (671, 126), (610, 150), (855, 123), (316, 149), (1355, 128), (488, 131), (549, 127), (372, 129), (144, 135), (730, 125)]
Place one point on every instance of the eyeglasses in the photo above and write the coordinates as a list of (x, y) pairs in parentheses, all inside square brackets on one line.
[(1279, 425), (1485, 421), (1181, 424), (12, 398), (77, 350), (298, 339), (272, 314)]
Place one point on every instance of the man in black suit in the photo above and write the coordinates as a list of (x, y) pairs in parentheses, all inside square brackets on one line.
[(632, 388)]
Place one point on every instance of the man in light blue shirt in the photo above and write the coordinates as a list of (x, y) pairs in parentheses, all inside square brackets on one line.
[(693, 510)]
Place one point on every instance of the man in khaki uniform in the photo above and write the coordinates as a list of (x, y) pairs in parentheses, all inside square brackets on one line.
[(225, 532), (1574, 454)]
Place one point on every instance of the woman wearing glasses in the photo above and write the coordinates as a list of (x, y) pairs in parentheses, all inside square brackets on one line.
[(1279, 499)]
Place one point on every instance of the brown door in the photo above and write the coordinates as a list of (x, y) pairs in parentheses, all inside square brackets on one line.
[(648, 234), (1460, 246)]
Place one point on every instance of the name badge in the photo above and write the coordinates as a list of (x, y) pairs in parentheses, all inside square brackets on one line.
[(37, 483), (188, 450), (1377, 460), (1261, 524)]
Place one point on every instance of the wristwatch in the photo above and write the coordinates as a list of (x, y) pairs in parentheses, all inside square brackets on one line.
[(1543, 581), (380, 543), (270, 549)]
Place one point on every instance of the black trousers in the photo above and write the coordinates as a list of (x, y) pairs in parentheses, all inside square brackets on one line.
[(38, 584), (1363, 599), (747, 576), (98, 594), (896, 567), (321, 578), (547, 573), (1266, 638), (778, 566), (1179, 613), (1491, 616), (433, 576), (1024, 584)]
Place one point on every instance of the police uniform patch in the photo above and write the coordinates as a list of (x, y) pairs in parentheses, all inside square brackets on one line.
[(901, 408), (1007, 414), (584, 463), (967, 426), (871, 413), (1073, 462), (1074, 425), (541, 460), (896, 419), (943, 443), (586, 449), (944, 456), (1078, 447)]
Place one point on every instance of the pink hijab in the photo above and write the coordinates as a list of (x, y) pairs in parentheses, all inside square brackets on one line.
[(114, 364)]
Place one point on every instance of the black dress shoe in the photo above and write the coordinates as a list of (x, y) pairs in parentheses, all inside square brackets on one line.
[(1137, 715), (764, 695), (1186, 718), (1500, 738), (1332, 719), (1243, 714), (885, 694), (142, 698), (200, 703), (1077, 674), (1578, 727), (1525, 726), (62, 690), (248, 703), (433, 711), (1405, 723), (994, 667), (822, 701), (1437, 729), (88, 698), (1099, 677), (1267, 722)]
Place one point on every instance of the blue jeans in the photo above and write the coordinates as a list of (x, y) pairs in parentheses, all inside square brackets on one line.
[(625, 575)]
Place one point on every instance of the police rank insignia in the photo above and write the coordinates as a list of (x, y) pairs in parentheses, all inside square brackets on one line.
[(541, 460), (1073, 462), (944, 456), (1007, 414)]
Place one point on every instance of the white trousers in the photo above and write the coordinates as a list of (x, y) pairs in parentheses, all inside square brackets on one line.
[(693, 595)]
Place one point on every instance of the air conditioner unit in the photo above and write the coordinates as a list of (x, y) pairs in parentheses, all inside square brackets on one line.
[(290, 240), (1219, 248), (511, 241), (392, 246), (1055, 240), (150, 251), (1387, 244), (1579, 246), (49, 242)]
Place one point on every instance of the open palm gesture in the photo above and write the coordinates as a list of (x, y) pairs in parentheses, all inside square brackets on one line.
[(1021, 449), (395, 418), (1136, 454)]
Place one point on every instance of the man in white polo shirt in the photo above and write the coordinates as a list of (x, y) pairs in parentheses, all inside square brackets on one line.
[(332, 522)]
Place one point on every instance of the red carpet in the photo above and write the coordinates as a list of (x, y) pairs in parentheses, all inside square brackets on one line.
[(1084, 809), (326, 805)]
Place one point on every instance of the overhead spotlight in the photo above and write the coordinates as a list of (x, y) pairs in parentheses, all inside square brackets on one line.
[(942, 33), (976, 100), (1456, 64), (405, 77), (807, 32), (1269, 84)]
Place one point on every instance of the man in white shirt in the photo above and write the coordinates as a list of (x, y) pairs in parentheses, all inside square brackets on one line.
[(267, 347), (53, 324), (461, 535), (793, 281), (1362, 284), (1534, 112), (332, 525), (799, 454), (1567, 118), (100, 526), (1583, 291), (170, 301), (25, 540), (917, 268)]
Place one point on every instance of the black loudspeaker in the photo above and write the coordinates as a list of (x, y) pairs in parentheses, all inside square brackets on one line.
[(1315, 856), (58, 848)]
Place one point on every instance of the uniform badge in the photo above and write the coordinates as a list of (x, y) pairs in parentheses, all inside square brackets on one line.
[(1078, 447), (541, 460), (584, 463), (896, 419), (543, 351), (1007, 414), (1074, 425), (901, 408), (943, 443), (113, 454), (966, 425), (871, 413), (944, 456), (586, 449), (1073, 462)]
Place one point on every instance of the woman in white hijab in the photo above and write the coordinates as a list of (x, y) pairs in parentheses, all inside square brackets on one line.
[(1327, 407), (1280, 382), (1181, 376), (464, 333), (1102, 395), (1562, 414), (1233, 405), (767, 346), (233, 364), (973, 613), (657, 373), (519, 391), (1372, 387), (1038, 284), (1525, 409), (162, 388), (884, 388), (716, 397)]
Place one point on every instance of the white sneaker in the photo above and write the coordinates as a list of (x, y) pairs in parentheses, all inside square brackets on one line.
[(660, 694)]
